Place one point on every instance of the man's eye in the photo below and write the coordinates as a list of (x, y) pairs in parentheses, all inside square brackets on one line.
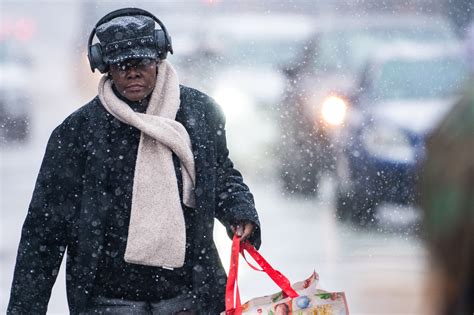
[(120, 66), (124, 66), (145, 62)]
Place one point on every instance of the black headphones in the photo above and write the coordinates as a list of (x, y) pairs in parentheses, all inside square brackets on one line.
[(95, 52)]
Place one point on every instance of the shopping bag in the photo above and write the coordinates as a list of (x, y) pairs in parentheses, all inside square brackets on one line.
[(301, 298)]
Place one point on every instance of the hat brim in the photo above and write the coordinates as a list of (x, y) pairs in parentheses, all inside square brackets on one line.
[(131, 53)]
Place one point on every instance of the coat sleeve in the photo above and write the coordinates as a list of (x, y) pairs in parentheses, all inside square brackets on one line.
[(234, 201), (44, 233)]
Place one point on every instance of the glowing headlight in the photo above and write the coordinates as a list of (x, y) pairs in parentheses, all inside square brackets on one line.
[(334, 110), (233, 102), (389, 143)]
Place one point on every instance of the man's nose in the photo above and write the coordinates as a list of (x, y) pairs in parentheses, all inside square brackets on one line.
[(133, 73)]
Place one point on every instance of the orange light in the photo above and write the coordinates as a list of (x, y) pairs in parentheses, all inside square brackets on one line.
[(24, 29), (21, 29), (334, 110)]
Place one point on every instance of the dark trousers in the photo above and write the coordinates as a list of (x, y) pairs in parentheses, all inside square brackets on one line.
[(107, 306)]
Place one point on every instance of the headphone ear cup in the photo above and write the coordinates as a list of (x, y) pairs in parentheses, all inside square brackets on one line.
[(161, 44), (96, 59), (169, 44)]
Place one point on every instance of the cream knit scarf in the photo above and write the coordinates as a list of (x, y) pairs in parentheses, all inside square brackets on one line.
[(157, 234)]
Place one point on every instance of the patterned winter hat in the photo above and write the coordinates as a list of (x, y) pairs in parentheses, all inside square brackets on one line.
[(127, 37)]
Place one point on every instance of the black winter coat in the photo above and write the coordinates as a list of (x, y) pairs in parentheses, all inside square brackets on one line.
[(71, 199)]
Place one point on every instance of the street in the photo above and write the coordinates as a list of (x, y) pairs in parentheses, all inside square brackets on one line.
[(382, 271)]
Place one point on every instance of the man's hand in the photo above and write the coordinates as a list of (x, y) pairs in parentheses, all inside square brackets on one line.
[(243, 229)]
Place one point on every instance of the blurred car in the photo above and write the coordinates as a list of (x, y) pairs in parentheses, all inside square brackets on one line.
[(15, 108), (237, 62), (405, 90), (247, 50), (318, 83)]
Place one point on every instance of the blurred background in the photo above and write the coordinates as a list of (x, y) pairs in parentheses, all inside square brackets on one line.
[(328, 105)]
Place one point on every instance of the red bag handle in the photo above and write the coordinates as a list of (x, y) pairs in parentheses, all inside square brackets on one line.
[(274, 274), (232, 285)]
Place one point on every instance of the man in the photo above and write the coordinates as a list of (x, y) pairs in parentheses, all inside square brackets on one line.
[(130, 185)]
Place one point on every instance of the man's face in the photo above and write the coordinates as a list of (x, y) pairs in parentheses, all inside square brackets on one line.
[(134, 78)]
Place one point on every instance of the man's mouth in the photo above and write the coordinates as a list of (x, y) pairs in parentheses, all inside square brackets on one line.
[(135, 86)]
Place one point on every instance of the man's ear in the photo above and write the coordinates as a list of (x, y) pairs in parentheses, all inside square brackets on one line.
[(109, 77)]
